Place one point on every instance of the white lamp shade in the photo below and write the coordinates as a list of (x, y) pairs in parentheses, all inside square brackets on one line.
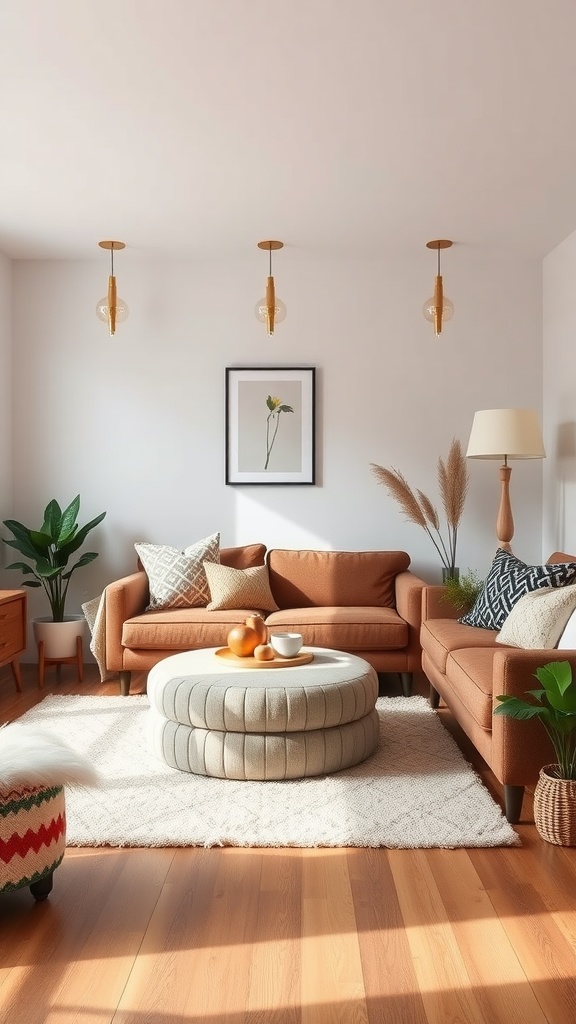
[(505, 434)]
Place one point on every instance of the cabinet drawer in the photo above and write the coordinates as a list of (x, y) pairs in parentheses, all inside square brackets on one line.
[(11, 629)]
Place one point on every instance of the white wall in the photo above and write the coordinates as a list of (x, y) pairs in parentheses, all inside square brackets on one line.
[(6, 401), (559, 389), (135, 423)]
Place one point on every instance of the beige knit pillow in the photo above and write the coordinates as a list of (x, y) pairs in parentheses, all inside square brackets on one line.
[(239, 588), (538, 618)]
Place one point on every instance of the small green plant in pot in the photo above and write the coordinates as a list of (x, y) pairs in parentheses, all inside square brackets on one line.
[(50, 548), (461, 591), (553, 704)]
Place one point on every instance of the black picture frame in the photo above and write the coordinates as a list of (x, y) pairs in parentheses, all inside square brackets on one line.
[(270, 424)]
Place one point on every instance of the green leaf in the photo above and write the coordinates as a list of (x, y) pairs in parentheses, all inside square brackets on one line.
[(515, 707), (285, 408), (52, 518), (556, 678), (68, 519)]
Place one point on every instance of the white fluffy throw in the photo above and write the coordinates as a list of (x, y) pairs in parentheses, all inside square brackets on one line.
[(32, 756)]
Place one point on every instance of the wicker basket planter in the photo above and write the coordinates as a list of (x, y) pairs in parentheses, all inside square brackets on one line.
[(555, 808)]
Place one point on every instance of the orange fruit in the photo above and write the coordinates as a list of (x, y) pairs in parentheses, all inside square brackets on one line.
[(256, 622), (242, 640), (263, 652)]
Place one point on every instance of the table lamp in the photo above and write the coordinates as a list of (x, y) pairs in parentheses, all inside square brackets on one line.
[(505, 434)]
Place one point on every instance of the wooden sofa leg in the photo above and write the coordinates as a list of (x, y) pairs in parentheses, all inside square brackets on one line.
[(434, 697), (125, 683), (406, 683), (513, 796)]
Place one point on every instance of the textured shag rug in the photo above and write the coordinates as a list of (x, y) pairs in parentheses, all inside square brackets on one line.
[(415, 791)]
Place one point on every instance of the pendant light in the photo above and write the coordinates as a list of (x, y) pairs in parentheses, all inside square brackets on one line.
[(270, 310), (111, 309), (438, 308)]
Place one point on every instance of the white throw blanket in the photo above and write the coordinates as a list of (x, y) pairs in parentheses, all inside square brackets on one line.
[(95, 615)]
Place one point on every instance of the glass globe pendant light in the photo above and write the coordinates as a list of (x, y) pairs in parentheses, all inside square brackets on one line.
[(111, 309), (270, 310), (438, 309)]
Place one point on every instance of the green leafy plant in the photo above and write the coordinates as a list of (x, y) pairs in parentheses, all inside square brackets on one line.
[(418, 509), (50, 549), (461, 592), (555, 706)]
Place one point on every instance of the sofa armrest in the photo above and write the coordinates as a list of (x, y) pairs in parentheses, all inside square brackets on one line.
[(520, 748), (408, 594), (435, 604), (124, 599)]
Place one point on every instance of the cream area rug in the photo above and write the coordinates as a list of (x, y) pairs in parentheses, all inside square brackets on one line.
[(415, 791)]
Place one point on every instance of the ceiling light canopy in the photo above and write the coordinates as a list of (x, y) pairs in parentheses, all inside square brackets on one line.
[(111, 309), (270, 310), (438, 309)]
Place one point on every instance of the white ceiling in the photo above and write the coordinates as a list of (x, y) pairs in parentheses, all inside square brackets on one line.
[(346, 128)]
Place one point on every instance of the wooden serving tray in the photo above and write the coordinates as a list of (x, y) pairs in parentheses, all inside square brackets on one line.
[(276, 662)]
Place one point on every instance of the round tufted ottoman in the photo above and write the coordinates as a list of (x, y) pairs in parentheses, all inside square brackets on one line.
[(210, 717)]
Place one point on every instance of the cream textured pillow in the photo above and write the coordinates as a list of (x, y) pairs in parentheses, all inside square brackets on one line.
[(239, 588), (567, 641), (177, 578), (538, 618)]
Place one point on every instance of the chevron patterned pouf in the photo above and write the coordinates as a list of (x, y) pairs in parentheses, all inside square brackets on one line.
[(32, 837)]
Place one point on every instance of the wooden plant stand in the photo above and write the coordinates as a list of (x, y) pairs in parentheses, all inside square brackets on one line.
[(76, 659)]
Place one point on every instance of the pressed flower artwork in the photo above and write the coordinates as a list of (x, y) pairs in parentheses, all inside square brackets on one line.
[(275, 407), (270, 425)]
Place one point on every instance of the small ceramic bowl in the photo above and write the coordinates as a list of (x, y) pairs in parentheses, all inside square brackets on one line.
[(287, 645)]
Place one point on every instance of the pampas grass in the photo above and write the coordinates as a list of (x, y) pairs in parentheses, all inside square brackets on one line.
[(418, 508)]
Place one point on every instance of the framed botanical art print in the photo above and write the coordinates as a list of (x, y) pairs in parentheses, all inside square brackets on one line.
[(270, 425)]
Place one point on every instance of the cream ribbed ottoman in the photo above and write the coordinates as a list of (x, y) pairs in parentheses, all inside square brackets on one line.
[(209, 717)]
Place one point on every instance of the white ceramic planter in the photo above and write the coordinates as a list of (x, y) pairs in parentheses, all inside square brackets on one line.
[(59, 637)]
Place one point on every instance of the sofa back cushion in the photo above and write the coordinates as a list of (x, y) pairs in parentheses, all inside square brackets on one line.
[(307, 579), (243, 557)]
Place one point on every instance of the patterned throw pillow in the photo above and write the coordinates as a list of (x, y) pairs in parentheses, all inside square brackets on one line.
[(239, 588), (538, 619), (508, 580), (177, 578)]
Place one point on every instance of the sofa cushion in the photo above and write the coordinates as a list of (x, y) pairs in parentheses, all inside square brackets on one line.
[(345, 629), (508, 580), (243, 556), (177, 578), (538, 619), (300, 579), (239, 588), (439, 637), (470, 673), (181, 629)]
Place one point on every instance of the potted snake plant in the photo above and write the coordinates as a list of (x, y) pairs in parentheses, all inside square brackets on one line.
[(553, 704), (49, 550)]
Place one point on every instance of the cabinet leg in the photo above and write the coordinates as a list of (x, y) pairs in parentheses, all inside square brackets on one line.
[(15, 666)]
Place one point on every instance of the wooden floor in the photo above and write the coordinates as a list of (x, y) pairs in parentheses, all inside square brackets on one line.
[(251, 936)]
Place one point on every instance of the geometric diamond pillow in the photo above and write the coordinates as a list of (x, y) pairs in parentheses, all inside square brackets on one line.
[(538, 619), (177, 578), (239, 588), (508, 580)]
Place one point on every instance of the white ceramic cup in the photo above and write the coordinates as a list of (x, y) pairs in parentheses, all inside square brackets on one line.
[(286, 645)]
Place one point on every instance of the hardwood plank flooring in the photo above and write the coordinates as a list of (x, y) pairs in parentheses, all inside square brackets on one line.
[(265, 936)]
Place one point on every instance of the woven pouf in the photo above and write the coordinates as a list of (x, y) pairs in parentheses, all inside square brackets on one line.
[(32, 837), (213, 718)]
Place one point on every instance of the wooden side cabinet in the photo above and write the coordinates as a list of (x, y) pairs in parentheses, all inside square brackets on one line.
[(12, 630)]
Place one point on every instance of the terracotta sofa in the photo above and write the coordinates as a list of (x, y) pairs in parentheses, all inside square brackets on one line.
[(467, 669), (365, 602)]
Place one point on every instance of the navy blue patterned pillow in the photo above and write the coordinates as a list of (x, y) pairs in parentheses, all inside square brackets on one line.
[(508, 580)]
